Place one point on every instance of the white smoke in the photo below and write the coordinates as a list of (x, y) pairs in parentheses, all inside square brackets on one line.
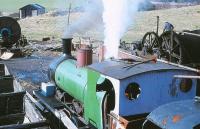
[(91, 18), (117, 16)]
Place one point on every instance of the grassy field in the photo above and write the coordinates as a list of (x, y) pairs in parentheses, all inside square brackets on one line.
[(186, 18), (14, 5)]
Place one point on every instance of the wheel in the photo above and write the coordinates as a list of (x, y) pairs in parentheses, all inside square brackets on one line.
[(150, 42), (10, 31), (170, 47)]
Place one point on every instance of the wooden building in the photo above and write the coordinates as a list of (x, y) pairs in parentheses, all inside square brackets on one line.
[(31, 10)]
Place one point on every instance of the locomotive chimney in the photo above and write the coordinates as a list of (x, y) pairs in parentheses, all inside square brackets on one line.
[(67, 46), (84, 56)]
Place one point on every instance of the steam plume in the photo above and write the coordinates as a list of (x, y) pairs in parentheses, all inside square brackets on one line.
[(91, 18), (117, 16)]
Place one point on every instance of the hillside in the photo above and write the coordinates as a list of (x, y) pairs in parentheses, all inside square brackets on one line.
[(186, 18), (8, 6)]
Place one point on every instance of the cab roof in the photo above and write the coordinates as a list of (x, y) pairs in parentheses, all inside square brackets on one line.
[(120, 69)]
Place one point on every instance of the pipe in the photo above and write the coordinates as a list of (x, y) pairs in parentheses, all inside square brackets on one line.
[(187, 76), (67, 46), (159, 60)]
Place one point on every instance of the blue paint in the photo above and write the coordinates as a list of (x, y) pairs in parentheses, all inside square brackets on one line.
[(48, 90), (188, 110), (157, 88)]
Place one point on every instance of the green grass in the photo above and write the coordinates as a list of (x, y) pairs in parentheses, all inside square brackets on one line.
[(14, 5)]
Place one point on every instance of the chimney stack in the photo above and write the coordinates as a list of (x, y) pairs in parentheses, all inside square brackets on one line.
[(67, 46)]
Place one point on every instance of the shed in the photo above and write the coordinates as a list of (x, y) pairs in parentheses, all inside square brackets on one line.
[(31, 10)]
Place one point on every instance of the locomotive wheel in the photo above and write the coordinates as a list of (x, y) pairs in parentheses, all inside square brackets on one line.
[(170, 47), (150, 42)]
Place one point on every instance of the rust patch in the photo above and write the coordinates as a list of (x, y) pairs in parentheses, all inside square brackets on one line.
[(154, 59), (176, 118)]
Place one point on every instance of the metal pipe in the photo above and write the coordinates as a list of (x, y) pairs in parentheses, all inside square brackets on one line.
[(159, 60), (186, 76), (193, 34)]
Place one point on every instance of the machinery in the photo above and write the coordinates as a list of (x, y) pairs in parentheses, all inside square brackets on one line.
[(10, 32), (114, 93), (10, 35), (178, 47)]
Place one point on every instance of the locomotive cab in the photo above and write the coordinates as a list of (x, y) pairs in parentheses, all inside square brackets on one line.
[(141, 87)]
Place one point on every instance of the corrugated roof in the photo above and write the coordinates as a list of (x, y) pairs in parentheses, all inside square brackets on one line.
[(32, 7)]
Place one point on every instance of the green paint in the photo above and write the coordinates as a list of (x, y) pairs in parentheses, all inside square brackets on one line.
[(71, 79), (93, 100), (81, 84)]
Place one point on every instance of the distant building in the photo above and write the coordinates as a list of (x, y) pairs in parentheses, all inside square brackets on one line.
[(31, 10)]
